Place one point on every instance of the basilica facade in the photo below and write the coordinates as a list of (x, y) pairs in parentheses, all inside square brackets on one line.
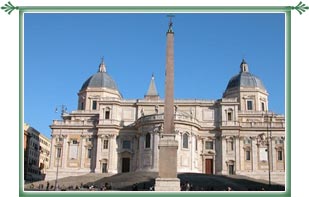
[(235, 134)]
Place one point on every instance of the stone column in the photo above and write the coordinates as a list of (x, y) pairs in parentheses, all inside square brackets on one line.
[(65, 151), (255, 158), (237, 152), (140, 151), (112, 166), (224, 168), (168, 145), (82, 151), (99, 154), (242, 154), (155, 150), (273, 155), (52, 152)]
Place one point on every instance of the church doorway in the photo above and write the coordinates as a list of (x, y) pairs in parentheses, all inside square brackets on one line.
[(208, 166), (125, 164), (231, 169), (104, 167)]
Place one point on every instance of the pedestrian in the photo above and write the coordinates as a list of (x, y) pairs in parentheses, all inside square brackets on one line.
[(187, 186), (47, 186)]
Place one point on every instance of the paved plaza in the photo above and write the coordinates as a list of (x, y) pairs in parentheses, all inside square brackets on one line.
[(144, 181)]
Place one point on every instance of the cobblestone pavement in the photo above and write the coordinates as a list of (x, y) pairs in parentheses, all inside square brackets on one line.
[(145, 181)]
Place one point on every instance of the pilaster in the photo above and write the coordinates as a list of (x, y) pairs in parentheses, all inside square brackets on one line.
[(255, 158), (273, 155), (65, 152), (112, 166), (237, 156), (224, 167), (52, 152), (99, 154), (241, 154), (82, 151)]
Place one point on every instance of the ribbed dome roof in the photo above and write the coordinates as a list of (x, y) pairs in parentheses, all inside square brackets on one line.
[(100, 80), (244, 79)]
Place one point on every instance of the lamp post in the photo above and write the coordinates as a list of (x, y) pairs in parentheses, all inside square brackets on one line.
[(59, 156), (269, 147)]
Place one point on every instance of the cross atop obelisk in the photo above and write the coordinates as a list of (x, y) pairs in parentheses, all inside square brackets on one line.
[(168, 145), (170, 25)]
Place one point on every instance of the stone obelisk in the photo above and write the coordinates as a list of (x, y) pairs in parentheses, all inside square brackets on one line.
[(168, 145)]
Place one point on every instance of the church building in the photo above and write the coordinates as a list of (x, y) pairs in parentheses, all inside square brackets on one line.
[(235, 134)]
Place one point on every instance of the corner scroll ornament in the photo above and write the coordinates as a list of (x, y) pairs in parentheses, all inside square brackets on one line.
[(9, 7), (300, 8)]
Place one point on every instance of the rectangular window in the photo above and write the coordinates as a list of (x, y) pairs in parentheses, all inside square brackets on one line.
[(229, 116), (58, 152), (74, 141), (148, 138), (196, 143), (249, 105), (89, 153), (105, 144), (185, 141), (126, 144), (107, 114), (280, 155), (82, 106), (104, 167), (247, 155), (209, 145), (263, 106), (94, 105)]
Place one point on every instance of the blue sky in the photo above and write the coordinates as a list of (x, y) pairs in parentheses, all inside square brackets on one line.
[(61, 51)]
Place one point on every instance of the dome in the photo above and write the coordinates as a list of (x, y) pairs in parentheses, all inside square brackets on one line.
[(245, 79), (100, 80)]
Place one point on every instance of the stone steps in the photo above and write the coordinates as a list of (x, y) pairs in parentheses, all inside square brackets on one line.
[(144, 180)]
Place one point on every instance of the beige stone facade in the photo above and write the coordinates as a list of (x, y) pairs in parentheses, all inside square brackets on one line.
[(110, 134), (44, 154), (36, 154)]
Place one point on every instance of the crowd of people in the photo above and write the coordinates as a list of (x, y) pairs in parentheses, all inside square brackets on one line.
[(81, 187), (184, 186)]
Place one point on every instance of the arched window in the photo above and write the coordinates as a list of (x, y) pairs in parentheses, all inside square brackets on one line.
[(229, 116), (148, 137), (185, 141)]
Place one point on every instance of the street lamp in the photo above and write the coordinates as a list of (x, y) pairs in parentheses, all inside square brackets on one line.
[(59, 156), (269, 147)]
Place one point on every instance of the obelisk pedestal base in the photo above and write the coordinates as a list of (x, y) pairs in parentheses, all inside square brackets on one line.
[(167, 180), (167, 184)]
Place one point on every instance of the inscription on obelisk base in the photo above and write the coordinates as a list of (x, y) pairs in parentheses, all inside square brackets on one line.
[(168, 145)]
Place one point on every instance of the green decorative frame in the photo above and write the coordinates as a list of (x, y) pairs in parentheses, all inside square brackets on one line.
[(300, 8)]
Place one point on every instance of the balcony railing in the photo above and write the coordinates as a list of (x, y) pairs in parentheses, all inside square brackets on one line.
[(155, 117), (254, 124), (73, 122), (263, 124)]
